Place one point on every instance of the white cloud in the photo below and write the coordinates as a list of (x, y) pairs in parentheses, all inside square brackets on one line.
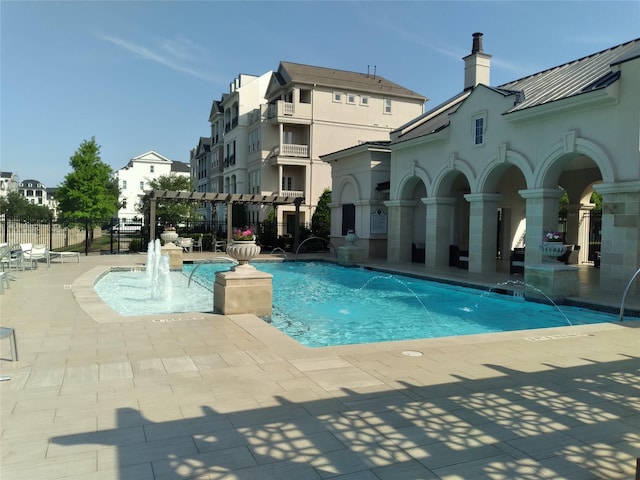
[(173, 53)]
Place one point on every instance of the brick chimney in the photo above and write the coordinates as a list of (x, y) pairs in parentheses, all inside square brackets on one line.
[(477, 66)]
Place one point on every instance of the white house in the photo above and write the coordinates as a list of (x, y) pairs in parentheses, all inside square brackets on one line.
[(133, 180), (483, 172)]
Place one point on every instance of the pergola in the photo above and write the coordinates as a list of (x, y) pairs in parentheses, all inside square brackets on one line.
[(227, 198)]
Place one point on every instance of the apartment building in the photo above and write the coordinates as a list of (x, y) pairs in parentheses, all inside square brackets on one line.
[(134, 177), (269, 132), (8, 183)]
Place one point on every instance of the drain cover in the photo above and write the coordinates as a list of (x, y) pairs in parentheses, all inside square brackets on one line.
[(412, 353)]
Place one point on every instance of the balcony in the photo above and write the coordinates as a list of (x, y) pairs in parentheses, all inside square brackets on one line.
[(291, 193), (283, 112)]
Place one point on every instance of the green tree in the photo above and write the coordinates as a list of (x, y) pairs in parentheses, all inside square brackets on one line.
[(17, 207), (89, 194), (171, 212), (321, 218)]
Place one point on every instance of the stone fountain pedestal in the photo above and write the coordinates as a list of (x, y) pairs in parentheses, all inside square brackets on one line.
[(243, 289), (349, 255), (175, 255), (556, 280)]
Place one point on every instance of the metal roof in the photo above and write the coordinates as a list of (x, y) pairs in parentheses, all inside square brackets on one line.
[(586, 74)]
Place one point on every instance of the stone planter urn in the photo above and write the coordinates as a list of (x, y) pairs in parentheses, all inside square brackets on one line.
[(243, 251), (169, 236), (552, 249), (351, 237)]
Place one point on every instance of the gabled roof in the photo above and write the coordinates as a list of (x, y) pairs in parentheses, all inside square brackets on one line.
[(584, 75), (204, 145), (180, 167), (297, 73), (150, 156), (430, 122)]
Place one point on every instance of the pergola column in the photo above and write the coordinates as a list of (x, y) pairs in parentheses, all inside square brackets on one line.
[(438, 234), (483, 228)]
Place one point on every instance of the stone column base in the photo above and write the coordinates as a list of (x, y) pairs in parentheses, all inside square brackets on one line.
[(550, 281), (175, 255), (243, 290), (348, 256)]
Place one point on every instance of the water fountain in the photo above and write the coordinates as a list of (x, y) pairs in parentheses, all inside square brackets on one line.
[(158, 272)]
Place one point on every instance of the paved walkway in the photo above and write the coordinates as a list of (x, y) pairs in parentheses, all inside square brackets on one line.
[(202, 396)]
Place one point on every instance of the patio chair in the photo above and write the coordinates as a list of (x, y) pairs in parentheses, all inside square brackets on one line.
[(198, 243), (37, 252), (11, 257), (219, 245), (187, 244)]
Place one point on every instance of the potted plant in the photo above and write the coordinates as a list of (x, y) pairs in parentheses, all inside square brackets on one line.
[(351, 236), (243, 248), (552, 244), (246, 234)]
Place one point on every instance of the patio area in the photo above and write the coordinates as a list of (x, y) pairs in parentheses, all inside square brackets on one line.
[(203, 396)]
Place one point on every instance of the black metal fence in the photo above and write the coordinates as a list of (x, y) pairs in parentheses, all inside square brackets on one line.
[(52, 234)]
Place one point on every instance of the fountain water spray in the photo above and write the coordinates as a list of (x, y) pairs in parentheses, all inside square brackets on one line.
[(158, 272)]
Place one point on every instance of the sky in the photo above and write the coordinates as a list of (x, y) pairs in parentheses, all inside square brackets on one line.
[(142, 75)]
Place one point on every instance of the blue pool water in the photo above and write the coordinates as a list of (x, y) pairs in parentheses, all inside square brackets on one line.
[(322, 304)]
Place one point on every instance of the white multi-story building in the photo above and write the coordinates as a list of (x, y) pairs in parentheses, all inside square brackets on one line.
[(8, 183), (133, 180), (268, 133), (34, 191)]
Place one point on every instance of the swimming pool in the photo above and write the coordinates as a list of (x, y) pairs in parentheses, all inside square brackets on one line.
[(322, 304)]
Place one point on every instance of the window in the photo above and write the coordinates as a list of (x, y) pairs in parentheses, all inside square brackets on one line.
[(337, 97), (387, 105), (286, 183), (151, 168), (141, 185), (351, 98), (479, 127), (364, 100), (348, 218), (124, 184)]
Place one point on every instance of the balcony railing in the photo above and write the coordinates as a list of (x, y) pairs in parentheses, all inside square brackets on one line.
[(291, 193), (294, 150), (288, 109)]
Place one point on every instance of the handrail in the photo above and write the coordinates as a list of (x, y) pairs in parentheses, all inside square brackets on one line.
[(624, 295)]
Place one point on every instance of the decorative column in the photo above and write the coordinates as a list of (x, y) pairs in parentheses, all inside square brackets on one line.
[(552, 279), (439, 215), (483, 227), (542, 216), (400, 230), (620, 247)]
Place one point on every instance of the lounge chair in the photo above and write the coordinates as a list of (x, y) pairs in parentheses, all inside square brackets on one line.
[(36, 253)]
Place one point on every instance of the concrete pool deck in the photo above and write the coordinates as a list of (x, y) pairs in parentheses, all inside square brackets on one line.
[(99, 396)]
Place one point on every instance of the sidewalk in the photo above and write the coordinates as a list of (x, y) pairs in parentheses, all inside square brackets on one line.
[(98, 396)]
